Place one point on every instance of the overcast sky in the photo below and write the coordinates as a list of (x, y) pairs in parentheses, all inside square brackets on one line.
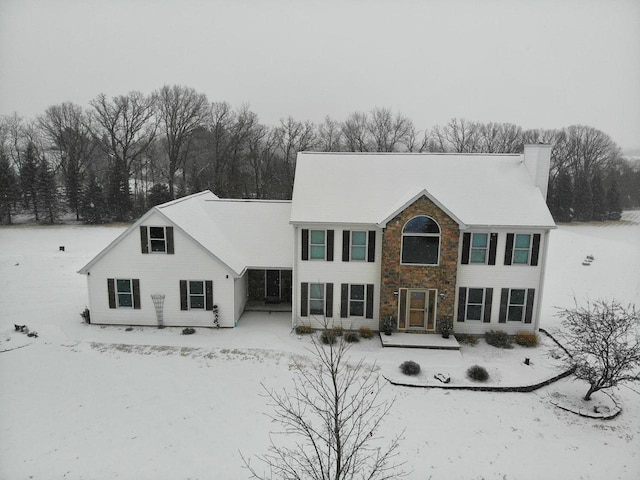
[(535, 63)]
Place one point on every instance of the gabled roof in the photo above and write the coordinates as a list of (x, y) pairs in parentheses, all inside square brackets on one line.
[(240, 233), (369, 188)]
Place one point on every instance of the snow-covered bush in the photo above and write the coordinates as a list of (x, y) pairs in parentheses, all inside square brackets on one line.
[(304, 329), (527, 339), (328, 336), (499, 339), (478, 373), (366, 332), (410, 368), (351, 337)]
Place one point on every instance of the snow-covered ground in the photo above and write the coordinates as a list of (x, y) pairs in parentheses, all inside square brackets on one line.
[(89, 402)]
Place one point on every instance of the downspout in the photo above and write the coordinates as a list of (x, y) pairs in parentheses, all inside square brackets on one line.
[(294, 279)]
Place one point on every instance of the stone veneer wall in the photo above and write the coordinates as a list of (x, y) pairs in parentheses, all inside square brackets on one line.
[(442, 277)]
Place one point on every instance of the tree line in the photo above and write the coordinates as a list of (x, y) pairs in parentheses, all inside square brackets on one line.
[(119, 156)]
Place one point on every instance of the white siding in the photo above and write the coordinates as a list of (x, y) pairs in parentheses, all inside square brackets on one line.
[(240, 295), (159, 273), (501, 276), (337, 272)]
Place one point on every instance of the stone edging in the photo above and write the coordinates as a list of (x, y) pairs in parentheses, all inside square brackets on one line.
[(487, 388), (587, 414)]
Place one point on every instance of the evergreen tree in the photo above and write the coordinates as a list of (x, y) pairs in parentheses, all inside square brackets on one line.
[(29, 179), (158, 194), (118, 197), (48, 198), (93, 207), (583, 197), (598, 199), (8, 188), (562, 197), (613, 202)]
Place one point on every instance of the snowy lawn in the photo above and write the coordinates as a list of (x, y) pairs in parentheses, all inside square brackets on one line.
[(90, 402)]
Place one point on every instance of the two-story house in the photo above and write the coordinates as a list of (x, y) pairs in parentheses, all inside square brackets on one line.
[(366, 236)]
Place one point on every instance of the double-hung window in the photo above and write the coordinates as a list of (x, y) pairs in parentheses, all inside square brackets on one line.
[(196, 294), (359, 246), (156, 239), (123, 292), (317, 244), (316, 298), (474, 304), (356, 300), (479, 246), (516, 305), (522, 248)]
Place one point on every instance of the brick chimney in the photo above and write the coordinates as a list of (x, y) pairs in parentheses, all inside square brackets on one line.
[(537, 159)]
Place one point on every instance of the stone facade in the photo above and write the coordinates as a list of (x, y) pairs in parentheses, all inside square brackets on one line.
[(442, 277)]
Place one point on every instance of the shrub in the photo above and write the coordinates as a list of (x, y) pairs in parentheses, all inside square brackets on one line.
[(366, 332), (466, 339), (498, 338), (338, 331), (304, 329), (527, 339), (351, 337), (86, 315), (478, 373), (410, 368), (188, 331), (328, 336)]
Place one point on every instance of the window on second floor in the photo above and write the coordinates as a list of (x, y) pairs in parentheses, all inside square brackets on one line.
[(421, 241), (317, 244)]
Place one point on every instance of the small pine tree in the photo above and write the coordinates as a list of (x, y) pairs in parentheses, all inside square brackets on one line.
[(158, 194), (48, 198), (613, 202), (562, 197), (29, 178), (93, 208), (598, 199), (583, 198), (8, 188)]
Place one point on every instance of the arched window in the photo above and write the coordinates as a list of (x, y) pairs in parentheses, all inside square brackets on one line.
[(421, 241)]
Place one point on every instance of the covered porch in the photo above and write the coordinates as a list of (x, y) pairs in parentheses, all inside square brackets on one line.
[(269, 290)]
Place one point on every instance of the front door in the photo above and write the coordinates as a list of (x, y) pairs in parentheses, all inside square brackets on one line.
[(417, 309), (272, 283)]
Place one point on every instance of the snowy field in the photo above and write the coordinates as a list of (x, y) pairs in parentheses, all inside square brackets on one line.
[(89, 402)]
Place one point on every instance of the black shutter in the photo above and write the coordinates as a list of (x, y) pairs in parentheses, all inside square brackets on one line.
[(369, 312), (144, 242), (169, 233), (329, 300), (462, 302), (111, 288), (504, 299), (136, 293), (535, 249), (371, 248), (184, 305), (208, 295), (508, 251), (304, 299), (488, 299), (305, 244), (344, 300), (466, 246), (493, 244), (346, 245), (528, 314), (329, 245)]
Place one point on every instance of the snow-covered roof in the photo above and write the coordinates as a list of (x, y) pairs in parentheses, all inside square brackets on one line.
[(371, 188), (240, 233)]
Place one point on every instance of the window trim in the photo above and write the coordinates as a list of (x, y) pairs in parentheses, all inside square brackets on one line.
[(202, 295), (485, 248), (517, 249), (468, 303), (322, 299), (365, 246), (422, 235), (522, 306), (119, 292), (363, 301), (323, 245)]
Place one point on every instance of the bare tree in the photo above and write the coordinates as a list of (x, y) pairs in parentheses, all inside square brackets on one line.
[(294, 137), (355, 133), (181, 111), (459, 136), (329, 136), (499, 138), (389, 133), (334, 411), (126, 130), (603, 341), (68, 130)]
